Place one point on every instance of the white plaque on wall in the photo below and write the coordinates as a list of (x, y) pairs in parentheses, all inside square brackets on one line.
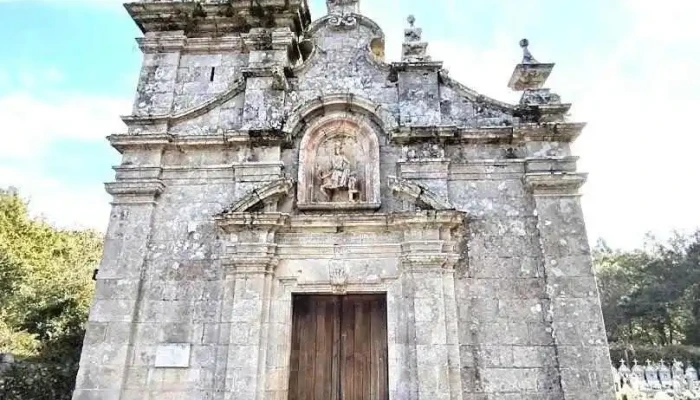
[(173, 355)]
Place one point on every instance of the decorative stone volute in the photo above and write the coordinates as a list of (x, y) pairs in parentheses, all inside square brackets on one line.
[(419, 196), (264, 198)]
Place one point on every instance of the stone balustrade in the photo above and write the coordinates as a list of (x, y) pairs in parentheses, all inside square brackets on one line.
[(656, 381)]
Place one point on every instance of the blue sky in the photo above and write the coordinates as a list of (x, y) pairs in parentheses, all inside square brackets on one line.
[(68, 69)]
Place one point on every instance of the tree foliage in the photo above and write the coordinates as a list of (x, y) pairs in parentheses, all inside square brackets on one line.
[(651, 296), (45, 285)]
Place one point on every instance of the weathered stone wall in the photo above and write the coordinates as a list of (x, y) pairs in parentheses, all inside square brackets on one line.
[(479, 242)]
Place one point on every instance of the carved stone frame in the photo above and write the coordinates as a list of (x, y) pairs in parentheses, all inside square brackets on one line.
[(319, 131)]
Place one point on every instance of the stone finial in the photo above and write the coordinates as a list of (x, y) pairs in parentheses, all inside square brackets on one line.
[(343, 6), (414, 49), (529, 74), (527, 56), (412, 34)]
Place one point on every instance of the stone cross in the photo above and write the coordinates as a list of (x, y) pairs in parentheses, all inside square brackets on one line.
[(343, 6)]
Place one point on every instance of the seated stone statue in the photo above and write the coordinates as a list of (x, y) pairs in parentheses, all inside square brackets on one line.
[(338, 177)]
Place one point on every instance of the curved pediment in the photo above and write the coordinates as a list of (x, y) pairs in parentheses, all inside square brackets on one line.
[(262, 198), (415, 193), (302, 115)]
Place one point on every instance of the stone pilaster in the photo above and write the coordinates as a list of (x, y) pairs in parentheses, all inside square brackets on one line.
[(161, 59), (108, 345), (578, 330), (418, 81), (266, 83), (429, 254), (250, 258)]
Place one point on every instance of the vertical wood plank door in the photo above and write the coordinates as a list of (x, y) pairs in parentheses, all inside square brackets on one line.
[(339, 348)]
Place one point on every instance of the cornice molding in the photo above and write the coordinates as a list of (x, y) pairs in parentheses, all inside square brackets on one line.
[(135, 191), (564, 132), (555, 184), (216, 17)]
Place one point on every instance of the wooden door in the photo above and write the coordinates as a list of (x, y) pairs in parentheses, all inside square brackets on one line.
[(339, 348)]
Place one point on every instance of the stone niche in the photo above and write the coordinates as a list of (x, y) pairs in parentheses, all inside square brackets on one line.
[(339, 165)]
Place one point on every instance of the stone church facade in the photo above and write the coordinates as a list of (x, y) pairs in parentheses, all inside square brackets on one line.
[(295, 218)]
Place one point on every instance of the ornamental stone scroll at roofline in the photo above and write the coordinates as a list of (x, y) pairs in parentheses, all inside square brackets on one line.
[(339, 164)]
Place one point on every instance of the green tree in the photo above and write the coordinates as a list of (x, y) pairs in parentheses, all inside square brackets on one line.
[(650, 295), (45, 286)]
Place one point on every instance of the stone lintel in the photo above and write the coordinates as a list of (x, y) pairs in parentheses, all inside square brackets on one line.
[(233, 222), (555, 184), (429, 262), (331, 222), (329, 206), (429, 218), (135, 191), (376, 221), (217, 17)]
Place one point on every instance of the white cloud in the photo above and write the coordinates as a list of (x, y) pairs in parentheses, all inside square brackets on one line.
[(640, 145), (61, 204), (30, 124)]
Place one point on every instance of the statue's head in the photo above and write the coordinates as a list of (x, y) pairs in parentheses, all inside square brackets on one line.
[(338, 148)]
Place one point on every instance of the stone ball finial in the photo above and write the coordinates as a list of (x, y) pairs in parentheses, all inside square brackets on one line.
[(527, 56), (411, 20)]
